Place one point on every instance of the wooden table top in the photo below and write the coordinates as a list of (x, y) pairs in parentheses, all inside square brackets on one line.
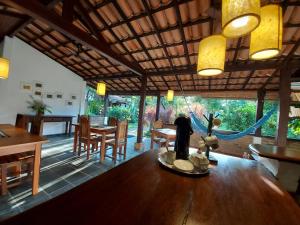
[(237, 192), (99, 129), (275, 152), (17, 136)]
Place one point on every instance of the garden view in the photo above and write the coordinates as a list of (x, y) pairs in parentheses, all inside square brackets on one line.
[(236, 115)]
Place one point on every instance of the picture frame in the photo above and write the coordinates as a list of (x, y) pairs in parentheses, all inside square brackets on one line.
[(38, 85), (38, 93), (26, 87), (59, 95), (73, 97), (69, 103), (49, 95)]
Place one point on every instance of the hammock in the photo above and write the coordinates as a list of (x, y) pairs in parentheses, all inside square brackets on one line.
[(200, 127)]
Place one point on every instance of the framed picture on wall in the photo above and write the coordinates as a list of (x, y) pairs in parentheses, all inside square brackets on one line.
[(59, 95), (49, 95), (26, 87), (38, 85), (38, 93), (69, 103), (73, 97)]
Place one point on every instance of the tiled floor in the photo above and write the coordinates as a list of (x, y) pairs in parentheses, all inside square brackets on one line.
[(60, 171)]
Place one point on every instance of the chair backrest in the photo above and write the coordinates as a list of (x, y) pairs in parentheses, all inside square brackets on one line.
[(122, 130), (84, 127), (158, 124), (22, 122), (97, 120), (112, 121)]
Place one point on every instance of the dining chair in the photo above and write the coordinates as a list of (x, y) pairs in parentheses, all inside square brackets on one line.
[(112, 122), (27, 158), (85, 136), (158, 124), (120, 140), (10, 168)]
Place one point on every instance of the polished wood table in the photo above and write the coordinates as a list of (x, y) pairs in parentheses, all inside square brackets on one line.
[(167, 133), (275, 152), (98, 130), (16, 140), (236, 192), (282, 162), (26, 119)]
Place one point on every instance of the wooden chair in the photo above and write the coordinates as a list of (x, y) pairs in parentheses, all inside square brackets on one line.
[(158, 124), (26, 159), (86, 137), (113, 123), (120, 140), (7, 163)]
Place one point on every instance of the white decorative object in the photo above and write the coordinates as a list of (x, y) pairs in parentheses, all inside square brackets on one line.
[(184, 165), (200, 161)]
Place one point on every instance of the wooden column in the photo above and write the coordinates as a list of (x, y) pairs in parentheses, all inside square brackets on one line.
[(284, 107), (105, 105), (157, 107), (139, 142), (260, 108)]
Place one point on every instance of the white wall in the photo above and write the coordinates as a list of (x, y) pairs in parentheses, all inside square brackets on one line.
[(29, 65)]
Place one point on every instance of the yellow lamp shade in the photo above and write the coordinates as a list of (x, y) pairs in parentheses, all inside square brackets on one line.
[(239, 17), (211, 55), (170, 95), (266, 39), (4, 68), (101, 88)]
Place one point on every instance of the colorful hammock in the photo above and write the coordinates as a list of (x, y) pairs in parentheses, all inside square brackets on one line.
[(200, 127)]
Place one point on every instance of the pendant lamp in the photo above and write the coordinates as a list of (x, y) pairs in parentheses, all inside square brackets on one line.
[(101, 88), (4, 68), (266, 39), (239, 17), (211, 55), (170, 95)]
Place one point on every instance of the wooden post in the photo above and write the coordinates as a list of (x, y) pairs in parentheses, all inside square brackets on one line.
[(284, 107), (260, 108), (139, 142), (157, 107), (105, 105)]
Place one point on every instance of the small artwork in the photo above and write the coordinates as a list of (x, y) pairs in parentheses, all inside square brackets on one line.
[(38, 84), (38, 93), (69, 103), (73, 97), (49, 95), (26, 87), (59, 95)]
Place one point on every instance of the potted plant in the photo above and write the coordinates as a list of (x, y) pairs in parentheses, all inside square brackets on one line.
[(38, 106)]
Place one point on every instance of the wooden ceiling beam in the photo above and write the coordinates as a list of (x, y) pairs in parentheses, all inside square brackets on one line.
[(184, 70), (38, 11)]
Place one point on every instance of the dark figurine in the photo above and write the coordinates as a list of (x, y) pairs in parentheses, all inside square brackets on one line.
[(183, 132)]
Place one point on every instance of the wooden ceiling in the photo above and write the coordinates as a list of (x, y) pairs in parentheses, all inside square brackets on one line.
[(119, 42)]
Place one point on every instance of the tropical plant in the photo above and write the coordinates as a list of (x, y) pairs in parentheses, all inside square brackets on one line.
[(38, 106), (119, 112), (294, 125)]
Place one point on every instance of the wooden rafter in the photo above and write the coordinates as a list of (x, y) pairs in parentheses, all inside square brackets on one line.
[(38, 11)]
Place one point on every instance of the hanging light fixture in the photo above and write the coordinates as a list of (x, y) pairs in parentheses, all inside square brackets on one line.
[(211, 55), (266, 39), (101, 88), (4, 68), (170, 95), (239, 17)]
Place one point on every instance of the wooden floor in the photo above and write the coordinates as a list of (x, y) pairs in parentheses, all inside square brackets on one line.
[(60, 172)]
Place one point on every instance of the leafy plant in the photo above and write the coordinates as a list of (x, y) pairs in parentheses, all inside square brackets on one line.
[(38, 106), (119, 112), (294, 125)]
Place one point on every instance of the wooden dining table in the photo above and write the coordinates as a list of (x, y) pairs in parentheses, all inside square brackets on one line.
[(167, 133), (103, 131), (15, 140), (236, 192)]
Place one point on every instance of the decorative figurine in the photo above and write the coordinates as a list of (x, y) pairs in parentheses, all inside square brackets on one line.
[(183, 132)]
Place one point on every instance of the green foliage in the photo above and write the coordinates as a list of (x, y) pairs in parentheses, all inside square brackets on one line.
[(294, 125), (270, 127), (95, 103), (38, 106), (120, 112), (133, 107)]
